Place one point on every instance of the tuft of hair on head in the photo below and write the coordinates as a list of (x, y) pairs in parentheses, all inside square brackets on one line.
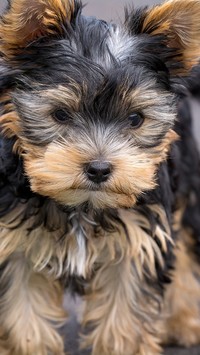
[(27, 20), (176, 26)]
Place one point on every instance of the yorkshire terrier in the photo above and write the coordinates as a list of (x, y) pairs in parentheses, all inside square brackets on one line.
[(100, 177)]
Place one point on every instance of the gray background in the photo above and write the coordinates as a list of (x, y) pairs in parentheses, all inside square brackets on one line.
[(111, 10), (107, 9)]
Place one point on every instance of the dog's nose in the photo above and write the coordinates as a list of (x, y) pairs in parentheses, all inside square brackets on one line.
[(98, 171)]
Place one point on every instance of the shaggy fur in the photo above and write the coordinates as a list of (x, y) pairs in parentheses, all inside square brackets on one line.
[(99, 177)]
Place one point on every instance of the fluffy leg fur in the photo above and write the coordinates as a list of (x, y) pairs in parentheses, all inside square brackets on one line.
[(122, 307), (182, 325), (30, 308), (115, 310), (119, 307)]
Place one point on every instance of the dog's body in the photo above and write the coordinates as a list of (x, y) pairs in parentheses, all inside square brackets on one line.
[(100, 177)]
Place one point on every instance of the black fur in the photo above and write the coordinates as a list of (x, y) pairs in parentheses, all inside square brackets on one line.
[(14, 186)]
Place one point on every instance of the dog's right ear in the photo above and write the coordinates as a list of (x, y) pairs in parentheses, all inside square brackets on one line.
[(27, 20)]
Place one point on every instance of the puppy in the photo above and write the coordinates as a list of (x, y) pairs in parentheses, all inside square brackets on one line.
[(100, 183)]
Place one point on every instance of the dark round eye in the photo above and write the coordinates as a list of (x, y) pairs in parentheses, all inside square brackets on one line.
[(136, 119), (61, 115)]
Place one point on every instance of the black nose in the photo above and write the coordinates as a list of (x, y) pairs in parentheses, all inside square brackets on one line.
[(98, 171)]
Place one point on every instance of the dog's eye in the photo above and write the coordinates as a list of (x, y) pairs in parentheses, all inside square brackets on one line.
[(61, 115), (136, 119)]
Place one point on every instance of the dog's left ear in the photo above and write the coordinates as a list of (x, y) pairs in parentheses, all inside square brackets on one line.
[(27, 20), (177, 24)]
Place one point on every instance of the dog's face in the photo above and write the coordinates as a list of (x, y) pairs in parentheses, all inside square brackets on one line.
[(93, 127), (92, 107)]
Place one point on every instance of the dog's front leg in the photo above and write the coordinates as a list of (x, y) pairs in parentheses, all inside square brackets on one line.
[(123, 300), (30, 308), (117, 314)]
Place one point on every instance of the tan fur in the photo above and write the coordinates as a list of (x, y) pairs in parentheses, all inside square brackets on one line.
[(121, 307), (41, 250), (69, 97), (28, 307), (26, 21), (116, 308), (181, 304), (9, 120), (58, 172), (179, 21), (113, 255)]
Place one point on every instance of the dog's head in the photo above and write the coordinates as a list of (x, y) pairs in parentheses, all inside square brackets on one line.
[(91, 104)]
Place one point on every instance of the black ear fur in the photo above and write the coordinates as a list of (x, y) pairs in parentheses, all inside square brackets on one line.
[(176, 26), (193, 82), (14, 186), (191, 172)]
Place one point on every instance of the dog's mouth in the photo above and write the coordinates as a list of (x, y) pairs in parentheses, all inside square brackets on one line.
[(101, 188), (93, 188), (97, 197)]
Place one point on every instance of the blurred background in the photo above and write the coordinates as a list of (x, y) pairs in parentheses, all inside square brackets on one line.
[(112, 10), (105, 9)]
